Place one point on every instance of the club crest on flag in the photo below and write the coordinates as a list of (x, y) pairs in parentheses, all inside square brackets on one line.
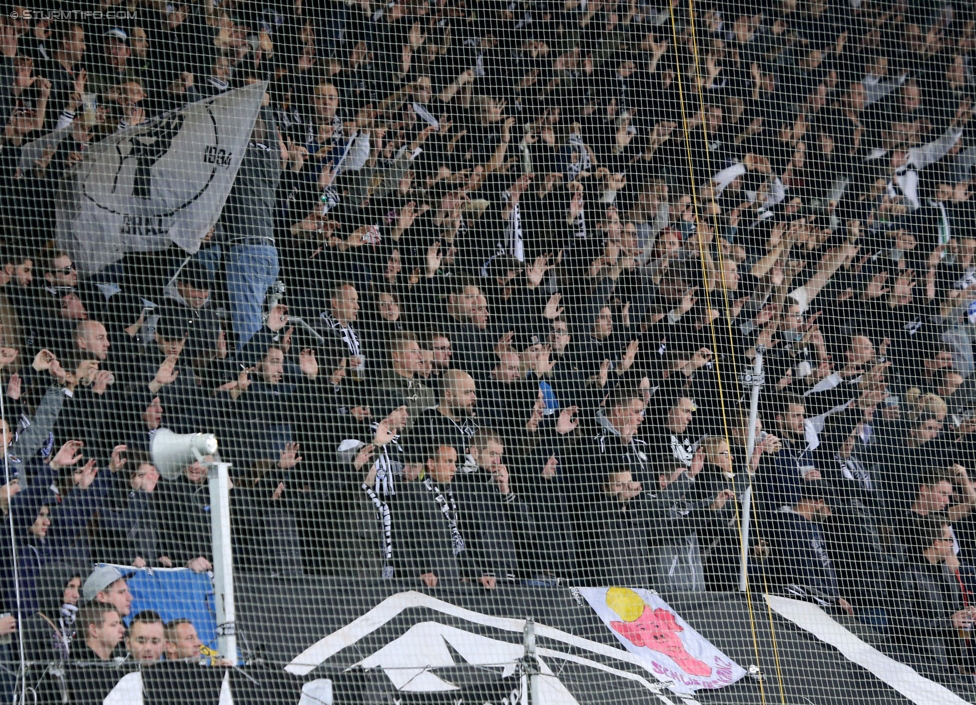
[(158, 183)]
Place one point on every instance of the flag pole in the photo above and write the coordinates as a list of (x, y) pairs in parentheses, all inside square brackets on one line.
[(755, 381)]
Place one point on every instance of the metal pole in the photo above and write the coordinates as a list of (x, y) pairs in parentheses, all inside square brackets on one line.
[(530, 662), (755, 381), (223, 563), (314, 333)]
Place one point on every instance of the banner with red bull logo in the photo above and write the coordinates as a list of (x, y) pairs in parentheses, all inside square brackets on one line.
[(669, 647)]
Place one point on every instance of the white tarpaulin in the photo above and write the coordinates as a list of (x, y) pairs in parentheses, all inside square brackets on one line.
[(902, 678), (154, 184), (669, 647), (422, 648)]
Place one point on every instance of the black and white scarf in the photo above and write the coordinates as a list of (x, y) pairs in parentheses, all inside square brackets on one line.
[(448, 506), (387, 466), (383, 514), (346, 333), (513, 244), (852, 469)]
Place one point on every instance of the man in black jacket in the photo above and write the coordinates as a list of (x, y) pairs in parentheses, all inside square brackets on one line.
[(496, 524), (616, 442), (427, 535), (619, 534), (429, 543), (931, 612), (452, 421), (188, 298), (400, 380), (164, 373), (184, 518), (92, 674), (800, 549)]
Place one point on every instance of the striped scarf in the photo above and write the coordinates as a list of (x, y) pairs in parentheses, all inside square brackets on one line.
[(448, 506)]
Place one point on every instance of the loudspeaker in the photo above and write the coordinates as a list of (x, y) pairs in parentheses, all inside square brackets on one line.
[(171, 452)]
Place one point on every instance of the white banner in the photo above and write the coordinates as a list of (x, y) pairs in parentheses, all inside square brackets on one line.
[(664, 642), (902, 678), (149, 185)]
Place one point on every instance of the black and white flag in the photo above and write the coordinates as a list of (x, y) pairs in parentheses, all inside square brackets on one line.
[(156, 183)]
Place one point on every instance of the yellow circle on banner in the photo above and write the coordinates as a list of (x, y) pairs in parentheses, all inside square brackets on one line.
[(626, 603)]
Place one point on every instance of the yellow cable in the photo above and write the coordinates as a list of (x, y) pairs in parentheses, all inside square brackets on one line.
[(725, 293), (701, 100)]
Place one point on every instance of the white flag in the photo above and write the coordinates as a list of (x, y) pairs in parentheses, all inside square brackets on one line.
[(669, 647), (154, 184)]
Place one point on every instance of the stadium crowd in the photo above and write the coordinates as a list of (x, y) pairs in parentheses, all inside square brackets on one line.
[(478, 303)]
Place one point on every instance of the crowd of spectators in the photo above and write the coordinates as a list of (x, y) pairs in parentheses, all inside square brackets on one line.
[(526, 249)]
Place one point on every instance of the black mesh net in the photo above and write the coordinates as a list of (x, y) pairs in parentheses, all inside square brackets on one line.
[(442, 351)]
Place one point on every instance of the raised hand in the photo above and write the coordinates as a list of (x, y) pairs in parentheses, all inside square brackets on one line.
[(67, 455), (308, 364), (504, 343), (118, 459), (604, 373), (86, 476), (148, 483), (537, 270), (86, 371), (8, 491), (8, 41), (244, 379), (8, 623), (630, 354), (199, 565), (575, 206), (7, 356), (277, 317), (507, 128), (286, 339), (902, 291), (14, 386), (364, 456), (409, 214), (500, 474), (688, 299), (721, 499), (532, 425), (167, 372), (434, 258), (383, 434), (42, 361), (567, 421), (103, 378), (771, 444), (289, 457), (624, 135), (701, 358), (549, 471), (553, 309)]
